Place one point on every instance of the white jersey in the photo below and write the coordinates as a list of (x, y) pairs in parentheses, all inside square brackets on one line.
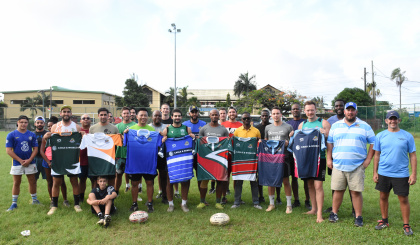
[(61, 128)]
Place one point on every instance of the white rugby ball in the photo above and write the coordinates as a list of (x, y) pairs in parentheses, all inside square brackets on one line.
[(139, 217), (219, 219)]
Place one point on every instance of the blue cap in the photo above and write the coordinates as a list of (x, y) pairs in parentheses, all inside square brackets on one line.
[(350, 104), (392, 114), (193, 107)]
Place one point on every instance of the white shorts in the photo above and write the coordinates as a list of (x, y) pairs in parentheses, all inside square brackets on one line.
[(20, 170)]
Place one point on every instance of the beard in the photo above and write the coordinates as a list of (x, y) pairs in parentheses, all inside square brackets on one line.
[(66, 118), (351, 120)]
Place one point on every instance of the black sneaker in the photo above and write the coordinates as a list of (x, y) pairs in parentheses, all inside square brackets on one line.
[(165, 200), (261, 199), (224, 201), (159, 195), (381, 225), (107, 220), (134, 207), (308, 205), (407, 230), (278, 201), (333, 217), (328, 210), (358, 221), (150, 208), (212, 190), (177, 196), (296, 204)]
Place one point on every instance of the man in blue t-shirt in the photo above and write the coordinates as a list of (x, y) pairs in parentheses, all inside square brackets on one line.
[(390, 169), (22, 146)]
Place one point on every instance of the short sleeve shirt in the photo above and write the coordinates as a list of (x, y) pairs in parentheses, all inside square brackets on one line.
[(247, 133), (22, 144)]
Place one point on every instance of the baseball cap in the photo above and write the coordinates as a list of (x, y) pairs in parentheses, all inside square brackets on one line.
[(193, 107), (39, 118), (392, 114), (65, 106), (350, 104)]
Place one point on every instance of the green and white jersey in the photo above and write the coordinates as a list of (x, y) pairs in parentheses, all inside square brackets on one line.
[(212, 159), (65, 154), (244, 158), (122, 150)]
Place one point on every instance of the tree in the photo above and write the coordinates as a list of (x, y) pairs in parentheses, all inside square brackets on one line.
[(119, 101), (33, 104), (226, 103), (369, 90), (182, 101), (319, 101), (244, 85), (357, 95), (133, 95), (399, 78), (170, 97)]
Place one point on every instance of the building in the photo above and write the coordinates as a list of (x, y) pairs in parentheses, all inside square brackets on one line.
[(155, 97)]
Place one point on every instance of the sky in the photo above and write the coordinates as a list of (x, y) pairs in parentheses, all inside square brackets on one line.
[(317, 48)]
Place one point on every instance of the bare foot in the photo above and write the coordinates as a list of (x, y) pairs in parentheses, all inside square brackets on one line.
[(319, 220), (311, 212)]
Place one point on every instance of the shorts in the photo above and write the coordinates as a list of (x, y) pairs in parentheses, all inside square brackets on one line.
[(195, 163), (108, 177), (162, 166), (400, 186), (45, 164), (84, 171), (102, 207), (286, 168), (137, 177), (321, 172), (120, 165), (20, 170), (62, 176), (291, 161), (41, 170), (355, 180)]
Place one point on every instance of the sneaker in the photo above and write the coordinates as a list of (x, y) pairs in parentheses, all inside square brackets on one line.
[(289, 209), (242, 202), (52, 211), (170, 208), (270, 208), (278, 201), (224, 201), (36, 202), (219, 206), (358, 221), (407, 230), (101, 221), (235, 206), (177, 196), (51, 204), (211, 191), (127, 188), (228, 192), (328, 210), (165, 200), (150, 208), (185, 208), (66, 203), (381, 225), (139, 199), (296, 204), (134, 207), (201, 205), (12, 207), (261, 199), (78, 208), (159, 195), (107, 220), (333, 217), (257, 206), (308, 205)]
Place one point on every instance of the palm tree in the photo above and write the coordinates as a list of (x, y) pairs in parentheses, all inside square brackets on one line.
[(170, 96), (369, 90), (399, 78), (32, 104), (183, 96), (244, 85)]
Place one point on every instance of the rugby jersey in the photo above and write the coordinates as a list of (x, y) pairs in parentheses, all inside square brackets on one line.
[(179, 157), (271, 160), (195, 127), (244, 158), (22, 144), (212, 159), (65, 153)]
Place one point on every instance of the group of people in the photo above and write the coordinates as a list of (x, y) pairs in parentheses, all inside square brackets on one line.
[(299, 148)]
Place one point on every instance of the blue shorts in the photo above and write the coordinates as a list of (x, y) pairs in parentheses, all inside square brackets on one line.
[(39, 166), (45, 164)]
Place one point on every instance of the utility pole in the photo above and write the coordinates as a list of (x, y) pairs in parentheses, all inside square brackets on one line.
[(174, 30), (374, 92), (364, 75)]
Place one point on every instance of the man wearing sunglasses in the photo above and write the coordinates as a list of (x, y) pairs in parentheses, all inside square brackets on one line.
[(84, 165)]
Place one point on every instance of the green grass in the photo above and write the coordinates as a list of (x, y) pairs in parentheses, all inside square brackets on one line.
[(247, 226)]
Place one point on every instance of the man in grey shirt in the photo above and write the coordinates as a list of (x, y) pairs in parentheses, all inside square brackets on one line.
[(103, 126)]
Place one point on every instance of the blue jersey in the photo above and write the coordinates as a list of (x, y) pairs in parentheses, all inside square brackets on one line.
[(271, 160), (195, 127), (394, 146), (21, 144), (179, 157), (142, 152), (306, 146)]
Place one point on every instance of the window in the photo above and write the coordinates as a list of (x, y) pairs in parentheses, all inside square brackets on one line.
[(17, 102), (58, 102), (84, 102), (149, 95)]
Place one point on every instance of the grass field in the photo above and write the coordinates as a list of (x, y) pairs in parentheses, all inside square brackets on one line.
[(247, 226)]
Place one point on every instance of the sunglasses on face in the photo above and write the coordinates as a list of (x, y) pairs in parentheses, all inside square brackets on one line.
[(85, 118), (246, 118)]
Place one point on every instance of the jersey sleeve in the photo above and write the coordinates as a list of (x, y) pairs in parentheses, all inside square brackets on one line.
[(291, 142), (411, 144), (370, 135), (9, 140), (117, 139), (377, 144), (330, 138), (159, 140), (34, 141), (230, 145), (323, 145)]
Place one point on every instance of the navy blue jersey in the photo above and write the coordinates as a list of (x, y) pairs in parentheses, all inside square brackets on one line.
[(142, 152), (179, 157), (195, 127), (306, 146), (271, 160)]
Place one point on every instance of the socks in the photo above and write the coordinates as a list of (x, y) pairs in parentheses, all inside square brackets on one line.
[(213, 184), (100, 215), (82, 197), (176, 192), (127, 185), (14, 198), (140, 186), (34, 197), (289, 200), (171, 203), (55, 201), (203, 200), (385, 220), (218, 200), (184, 202), (271, 197), (160, 191), (76, 200)]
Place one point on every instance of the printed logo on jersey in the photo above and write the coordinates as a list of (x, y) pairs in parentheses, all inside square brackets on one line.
[(182, 131), (301, 139), (297, 147), (7, 141), (238, 144), (315, 138), (72, 140), (30, 137), (401, 139), (109, 190), (54, 148), (25, 146), (107, 131), (187, 143), (250, 146), (266, 148), (107, 141), (173, 145), (59, 140), (149, 139)]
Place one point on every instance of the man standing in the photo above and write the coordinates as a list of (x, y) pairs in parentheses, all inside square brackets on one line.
[(346, 148), (390, 169), (39, 132), (265, 120), (166, 114), (279, 131), (121, 153), (110, 118), (222, 115), (247, 131), (315, 185), (133, 115), (22, 146), (177, 130), (295, 122), (84, 164)]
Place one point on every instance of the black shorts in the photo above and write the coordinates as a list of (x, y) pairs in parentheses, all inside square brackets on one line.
[(62, 176), (162, 166), (286, 168), (137, 177), (84, 171), (195, 163), (40, 168), (102, 207), (120, 165), (108, 177), (400, 186), (321, 172)]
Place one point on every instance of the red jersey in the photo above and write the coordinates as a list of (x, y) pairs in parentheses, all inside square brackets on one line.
[(231, 127), (83, 153)]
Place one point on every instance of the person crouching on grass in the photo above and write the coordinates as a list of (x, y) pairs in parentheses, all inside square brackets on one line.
[(101, 199)]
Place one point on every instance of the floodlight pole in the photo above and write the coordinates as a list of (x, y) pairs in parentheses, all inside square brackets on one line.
[(174, 30)]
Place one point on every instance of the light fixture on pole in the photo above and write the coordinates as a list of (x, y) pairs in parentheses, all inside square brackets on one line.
[(174, 30)]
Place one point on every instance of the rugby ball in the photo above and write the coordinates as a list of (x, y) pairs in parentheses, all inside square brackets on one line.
[(219, 219), (138, 217)]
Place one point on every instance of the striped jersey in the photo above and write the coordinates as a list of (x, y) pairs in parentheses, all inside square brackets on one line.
[(179, 157), (212, 159), (271, 160), (349, 150), (101, 152), (244, 158)]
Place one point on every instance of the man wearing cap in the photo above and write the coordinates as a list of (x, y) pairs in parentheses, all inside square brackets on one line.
[(39, 132), (346, 144), (390, 169)]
